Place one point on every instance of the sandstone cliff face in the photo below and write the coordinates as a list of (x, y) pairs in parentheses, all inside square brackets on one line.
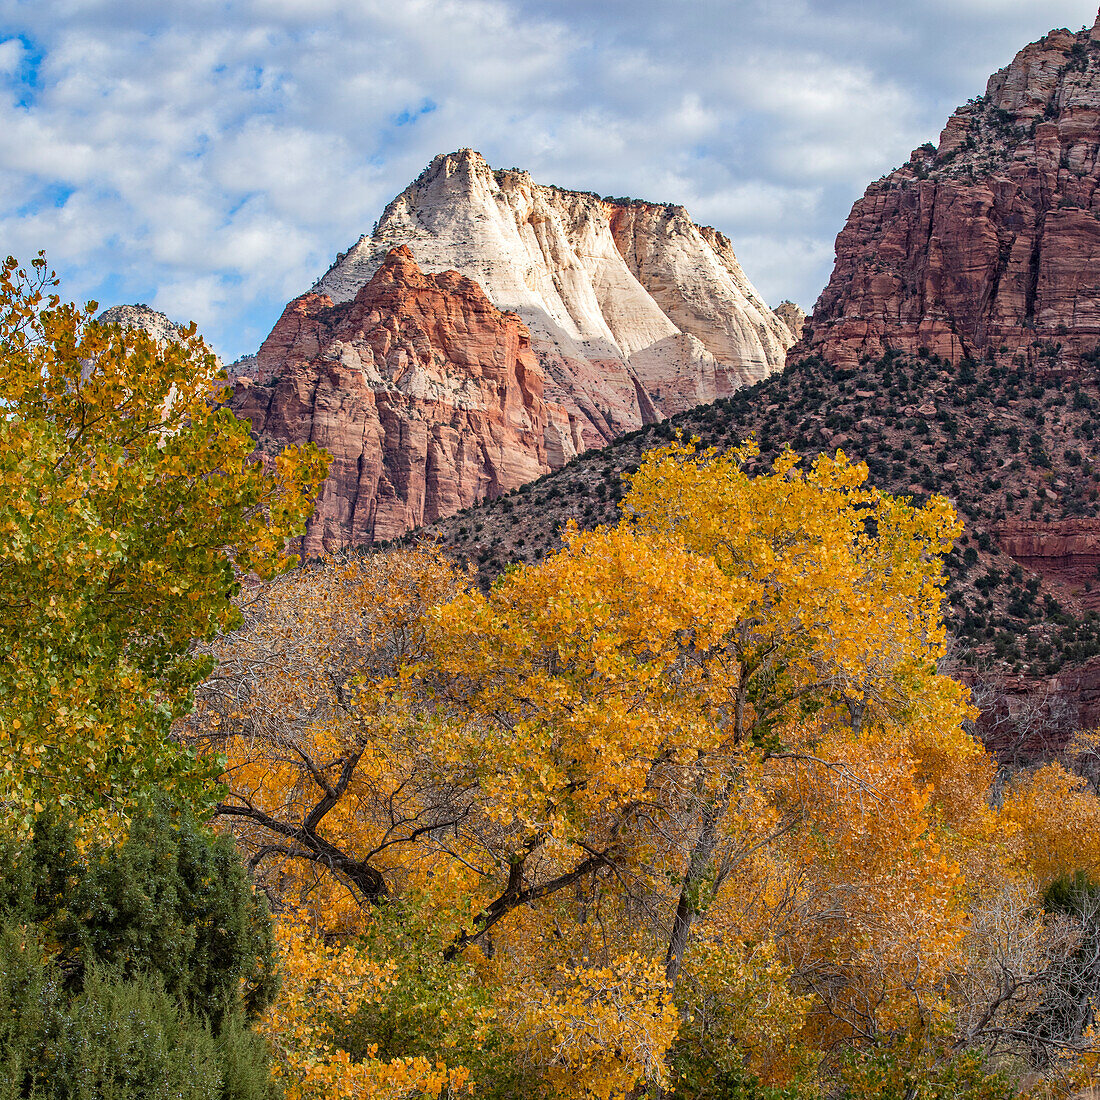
[(990, 243), (634, 311), (793, 316), (428, 398), (1065, 553), (156, 324)]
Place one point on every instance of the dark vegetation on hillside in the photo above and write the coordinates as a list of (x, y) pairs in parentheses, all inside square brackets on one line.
[(1005, 445), (132, 969)]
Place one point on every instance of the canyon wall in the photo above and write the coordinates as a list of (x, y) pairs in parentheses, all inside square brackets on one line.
[(427, 396), (987, 244)]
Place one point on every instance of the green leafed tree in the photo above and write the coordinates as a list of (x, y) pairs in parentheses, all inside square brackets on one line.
[(130, 503)]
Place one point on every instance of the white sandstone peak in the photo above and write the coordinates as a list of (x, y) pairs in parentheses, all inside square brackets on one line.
[(635, 311), (156, 324), (151, 321)]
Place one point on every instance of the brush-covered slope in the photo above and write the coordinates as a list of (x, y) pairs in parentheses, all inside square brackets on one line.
[(1014, 450)]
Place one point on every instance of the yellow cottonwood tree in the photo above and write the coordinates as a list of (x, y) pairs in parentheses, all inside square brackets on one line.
[(694, 782), (129, 503), (328, 793), (734, 631), (325, 982), (597, 1030)]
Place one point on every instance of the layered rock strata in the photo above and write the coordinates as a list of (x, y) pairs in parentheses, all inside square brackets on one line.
[(989, 243), (634, 311), (1065, 553), (427, 397)]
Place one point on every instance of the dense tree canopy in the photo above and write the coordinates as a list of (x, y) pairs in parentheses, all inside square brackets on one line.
[(685, 809), (129, 504), (171, 900), (687, 800), (131, 970)]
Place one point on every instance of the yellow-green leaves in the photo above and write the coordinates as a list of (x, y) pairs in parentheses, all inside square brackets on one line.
[(126, 501)]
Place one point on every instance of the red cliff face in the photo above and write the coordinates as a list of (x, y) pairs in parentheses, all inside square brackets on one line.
[(428, 398), (988, 245), (1065, 553)]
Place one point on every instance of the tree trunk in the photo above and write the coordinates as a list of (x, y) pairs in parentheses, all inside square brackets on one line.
[(689, 901)]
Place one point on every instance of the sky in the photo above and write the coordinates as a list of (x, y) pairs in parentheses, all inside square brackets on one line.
[(211, 157)]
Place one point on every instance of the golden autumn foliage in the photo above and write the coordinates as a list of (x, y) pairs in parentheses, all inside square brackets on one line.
[(595, 1030), (323, 982), (321, 781), (1055, 821), (128, 502), (691, 792)]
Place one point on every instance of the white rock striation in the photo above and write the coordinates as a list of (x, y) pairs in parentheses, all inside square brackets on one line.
[(635, 312)]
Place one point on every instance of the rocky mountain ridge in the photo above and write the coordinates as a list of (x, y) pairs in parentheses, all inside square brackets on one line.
[(140, 316), (986, 245), (793, 316), (598, 316), (427, 397), (635, 311)]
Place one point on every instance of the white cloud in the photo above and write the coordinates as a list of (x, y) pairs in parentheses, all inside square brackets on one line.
[(203, 300), (12, 53), (211, 156), (762, 204)]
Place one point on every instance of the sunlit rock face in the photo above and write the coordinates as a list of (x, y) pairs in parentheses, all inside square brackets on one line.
[(157, 325), (426, 395), (634, 311), (989, 244), (488, 331), (793, 316)]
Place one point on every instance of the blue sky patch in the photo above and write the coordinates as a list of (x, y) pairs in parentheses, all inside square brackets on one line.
[(26, 80), (411, 115)]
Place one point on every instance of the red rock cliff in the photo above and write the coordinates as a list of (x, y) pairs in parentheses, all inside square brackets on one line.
[(989, 243), (428, 398)]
